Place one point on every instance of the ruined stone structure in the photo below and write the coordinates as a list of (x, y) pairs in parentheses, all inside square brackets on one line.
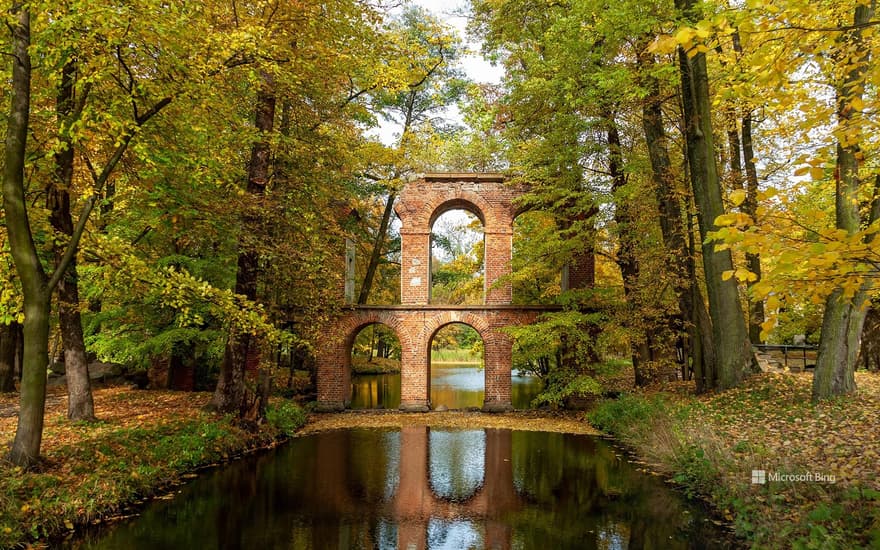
[(415, 321)]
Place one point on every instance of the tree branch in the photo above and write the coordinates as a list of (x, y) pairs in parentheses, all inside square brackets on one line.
[(99, 181)]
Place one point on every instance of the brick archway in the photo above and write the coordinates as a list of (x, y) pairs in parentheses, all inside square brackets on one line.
[(334, 358), (415, 321), (497, 350), (422, 201)]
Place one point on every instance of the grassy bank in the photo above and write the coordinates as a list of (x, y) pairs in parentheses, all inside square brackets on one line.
[(454, 355), (378, 365), (820, 462), (145, 442)]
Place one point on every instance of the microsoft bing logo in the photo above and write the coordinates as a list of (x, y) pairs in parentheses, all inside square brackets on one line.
[(759, 477)]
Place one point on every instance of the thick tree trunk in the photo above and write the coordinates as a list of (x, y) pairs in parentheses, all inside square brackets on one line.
[(80, 402), (10, 348), (750, 207), (25, 449), (29, 433), (700, 323), (669, 203), (733, 349), (231, 394), (843, 319)]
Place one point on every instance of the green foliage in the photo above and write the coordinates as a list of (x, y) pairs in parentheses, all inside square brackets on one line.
[(539, 254), (626, 414), (457, 249), (561, 385), (376, 341), (286, 417), (10, 291), (456, 342)]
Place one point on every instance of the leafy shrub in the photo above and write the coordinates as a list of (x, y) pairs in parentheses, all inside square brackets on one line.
[(626, 415), (286, 417)]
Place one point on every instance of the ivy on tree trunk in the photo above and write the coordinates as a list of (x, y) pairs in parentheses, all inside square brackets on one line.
[(231, 394)]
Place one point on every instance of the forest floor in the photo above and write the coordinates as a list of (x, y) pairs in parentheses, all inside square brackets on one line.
[(783, 471), (143, 443)]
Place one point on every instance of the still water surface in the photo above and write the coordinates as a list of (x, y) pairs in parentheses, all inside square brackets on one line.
[(418, 487), (455, 385)]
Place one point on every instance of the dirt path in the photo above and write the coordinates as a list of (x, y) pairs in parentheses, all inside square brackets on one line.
[(525, 420)]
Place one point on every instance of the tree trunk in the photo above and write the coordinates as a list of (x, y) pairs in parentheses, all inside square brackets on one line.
[(376, 254), (870, 349), (25, 449), (10, 336), (750, 207), (733, 349), (626, 258), (672, 229), (843, 319), (80, 403), (231, 394)]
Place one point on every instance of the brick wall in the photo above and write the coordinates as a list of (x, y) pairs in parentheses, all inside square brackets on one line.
[(415, 327), (420, 204)]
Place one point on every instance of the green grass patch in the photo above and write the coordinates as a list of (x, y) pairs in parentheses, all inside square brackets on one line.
[(286, 417), (96, 477), (455, 355)]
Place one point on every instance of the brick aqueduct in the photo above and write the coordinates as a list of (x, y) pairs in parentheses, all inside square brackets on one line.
[(415, 321)]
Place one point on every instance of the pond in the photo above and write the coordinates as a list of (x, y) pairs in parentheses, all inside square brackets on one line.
[(419, 487), (456, 385)]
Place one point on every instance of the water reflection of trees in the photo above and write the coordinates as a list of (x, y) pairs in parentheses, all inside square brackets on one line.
[(415, 488)]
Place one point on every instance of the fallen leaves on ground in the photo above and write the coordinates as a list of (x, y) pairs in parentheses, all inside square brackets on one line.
[(116, 407), (524, 420), (772, 417), (821, 481)]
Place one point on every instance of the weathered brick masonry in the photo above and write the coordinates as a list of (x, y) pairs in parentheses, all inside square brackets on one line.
[(416, 321)]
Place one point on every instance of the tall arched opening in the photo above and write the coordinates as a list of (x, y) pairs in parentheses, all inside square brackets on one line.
[(457, 260), (456, 367), (374, 358)]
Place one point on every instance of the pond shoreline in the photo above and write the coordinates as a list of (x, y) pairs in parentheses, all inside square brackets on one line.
[(50, 504)]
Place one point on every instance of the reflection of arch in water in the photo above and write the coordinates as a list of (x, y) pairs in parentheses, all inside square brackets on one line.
[(415, 502), (456, 455)]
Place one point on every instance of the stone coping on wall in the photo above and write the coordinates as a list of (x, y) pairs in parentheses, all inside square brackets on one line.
[(468, 307), (462, 176)]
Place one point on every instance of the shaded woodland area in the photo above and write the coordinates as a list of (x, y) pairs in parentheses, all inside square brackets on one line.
[(176, 176)]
